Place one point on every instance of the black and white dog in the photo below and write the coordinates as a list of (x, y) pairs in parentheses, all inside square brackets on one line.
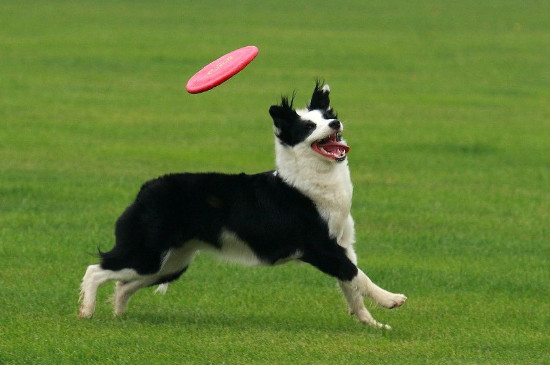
[(300, 211)]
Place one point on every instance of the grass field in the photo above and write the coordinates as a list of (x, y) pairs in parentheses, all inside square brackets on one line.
[(447, 111)]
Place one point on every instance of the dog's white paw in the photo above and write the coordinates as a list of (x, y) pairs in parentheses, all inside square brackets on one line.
[(386, 299), (394, 301), (376, 324), (366, 318), (85, 312)]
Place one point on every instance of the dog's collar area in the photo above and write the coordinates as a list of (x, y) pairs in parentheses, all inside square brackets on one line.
[(331, 147)]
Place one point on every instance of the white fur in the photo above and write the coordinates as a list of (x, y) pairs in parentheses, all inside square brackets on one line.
[(328, 184), (129, 281), (177, 259), (93, 278), (236, 250)]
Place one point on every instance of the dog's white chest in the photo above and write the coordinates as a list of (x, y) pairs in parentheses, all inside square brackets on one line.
[(335, 209), (331, 192)]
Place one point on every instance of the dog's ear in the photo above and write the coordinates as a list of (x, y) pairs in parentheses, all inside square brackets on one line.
[(320, 99), (284, 113)]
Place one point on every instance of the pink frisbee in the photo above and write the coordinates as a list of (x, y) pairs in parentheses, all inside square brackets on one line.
[(221, 70)]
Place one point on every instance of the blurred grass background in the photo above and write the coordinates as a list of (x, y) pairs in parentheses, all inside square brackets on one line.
[(446, 108)]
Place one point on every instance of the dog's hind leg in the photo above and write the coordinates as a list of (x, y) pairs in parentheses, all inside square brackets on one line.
[(88, 291), (95, 277), (123, 291), (174, 263)]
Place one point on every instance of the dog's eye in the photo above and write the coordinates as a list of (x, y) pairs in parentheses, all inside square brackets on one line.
[(310, 126)]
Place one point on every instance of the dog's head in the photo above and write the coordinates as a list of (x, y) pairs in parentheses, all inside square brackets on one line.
[(315, 129)]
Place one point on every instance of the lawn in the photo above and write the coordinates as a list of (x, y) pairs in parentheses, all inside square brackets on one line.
[(446, 107)]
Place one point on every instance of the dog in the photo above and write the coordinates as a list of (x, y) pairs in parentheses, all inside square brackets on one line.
[(300, 211)]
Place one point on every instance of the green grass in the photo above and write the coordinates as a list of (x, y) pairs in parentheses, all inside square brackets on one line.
[(447, 110)]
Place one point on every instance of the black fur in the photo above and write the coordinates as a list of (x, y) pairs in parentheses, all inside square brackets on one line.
[(275, 220), (171, 277), (291, 129), (320, 99)]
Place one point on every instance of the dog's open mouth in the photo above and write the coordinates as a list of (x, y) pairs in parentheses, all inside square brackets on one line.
[(331, 147)]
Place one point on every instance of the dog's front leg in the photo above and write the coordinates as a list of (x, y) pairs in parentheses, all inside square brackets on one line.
[(380, 296), (338, 262), (360, 286), (357, 307), (354, 296)]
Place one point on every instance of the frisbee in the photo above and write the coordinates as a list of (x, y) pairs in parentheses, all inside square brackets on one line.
[(221, 70)]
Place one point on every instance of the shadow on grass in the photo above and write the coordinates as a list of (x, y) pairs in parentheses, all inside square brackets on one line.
[(208, 320)]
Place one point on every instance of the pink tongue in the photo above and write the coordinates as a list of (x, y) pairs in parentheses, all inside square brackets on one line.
[(336, 147)]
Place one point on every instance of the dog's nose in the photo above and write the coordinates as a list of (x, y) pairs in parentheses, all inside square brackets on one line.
[(335, 124)]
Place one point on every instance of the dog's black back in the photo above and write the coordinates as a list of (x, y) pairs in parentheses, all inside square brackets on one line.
[(275, 221)]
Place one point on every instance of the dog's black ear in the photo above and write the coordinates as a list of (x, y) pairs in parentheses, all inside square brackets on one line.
[(284, 113), (320, 99)]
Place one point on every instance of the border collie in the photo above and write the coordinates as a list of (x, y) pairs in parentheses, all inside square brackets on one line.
[(300, 211)]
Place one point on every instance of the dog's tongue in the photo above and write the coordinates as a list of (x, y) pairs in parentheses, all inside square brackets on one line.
[(332, 149), (336, 148)]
